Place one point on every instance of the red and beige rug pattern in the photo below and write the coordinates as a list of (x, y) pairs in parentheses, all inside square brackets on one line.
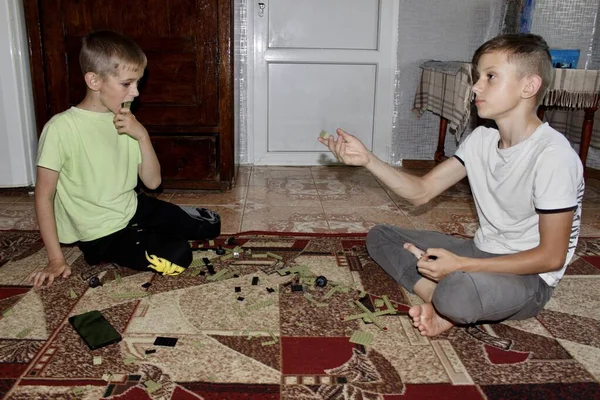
[(253, 331)]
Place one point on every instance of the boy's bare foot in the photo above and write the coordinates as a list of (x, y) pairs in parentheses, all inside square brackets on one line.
[(427, 320)]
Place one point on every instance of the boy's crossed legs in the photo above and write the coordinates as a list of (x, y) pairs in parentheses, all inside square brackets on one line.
[(461, 297)]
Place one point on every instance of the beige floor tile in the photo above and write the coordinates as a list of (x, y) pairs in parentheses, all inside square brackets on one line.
[(590, 222), (10, 197), (462, 221), (260, 176), (284, 219), (359, 176), (27, 198), (285, 192), (234, 197), (18, 216), (362, 219), (345, 194), (243, 175)]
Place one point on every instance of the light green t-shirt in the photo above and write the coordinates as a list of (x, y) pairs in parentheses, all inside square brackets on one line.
[(98, 171)]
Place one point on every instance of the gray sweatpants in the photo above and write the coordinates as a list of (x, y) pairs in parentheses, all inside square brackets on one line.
[(461, 297)]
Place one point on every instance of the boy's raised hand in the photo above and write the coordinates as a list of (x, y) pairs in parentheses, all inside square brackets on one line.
[(54, 269), (347, 149), (126, 123)]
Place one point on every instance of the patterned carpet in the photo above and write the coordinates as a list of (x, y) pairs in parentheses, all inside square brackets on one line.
[(245, 338)]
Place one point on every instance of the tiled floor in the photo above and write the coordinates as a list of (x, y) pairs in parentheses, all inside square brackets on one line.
[(316, 199)]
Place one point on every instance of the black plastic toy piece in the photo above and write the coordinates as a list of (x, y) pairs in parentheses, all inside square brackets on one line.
[(321, 281), (146, 285), (95, 282), (255, 280), (230, 241), (165, 341), (220, 251)]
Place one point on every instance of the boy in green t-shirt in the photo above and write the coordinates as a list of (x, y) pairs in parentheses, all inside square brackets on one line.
[(89, 160)]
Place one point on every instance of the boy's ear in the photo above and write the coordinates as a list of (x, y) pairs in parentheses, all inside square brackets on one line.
[(533, 83), (93, 81)]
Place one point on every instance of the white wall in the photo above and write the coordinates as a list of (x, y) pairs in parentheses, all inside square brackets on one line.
[(18, 138)]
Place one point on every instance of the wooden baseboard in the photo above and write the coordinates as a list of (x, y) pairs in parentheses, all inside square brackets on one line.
[(418, 164), (592, 173)]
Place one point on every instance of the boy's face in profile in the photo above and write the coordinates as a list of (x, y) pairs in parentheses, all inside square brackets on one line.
[(498, 88), (119, 88)]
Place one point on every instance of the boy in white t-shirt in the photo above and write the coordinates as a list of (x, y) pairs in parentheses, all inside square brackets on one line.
[(527, 184)]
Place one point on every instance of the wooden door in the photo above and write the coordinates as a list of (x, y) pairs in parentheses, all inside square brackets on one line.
[(186, 96)]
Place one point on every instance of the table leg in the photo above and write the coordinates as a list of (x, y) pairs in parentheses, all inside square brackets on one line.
[(586, 134), (439, 155)]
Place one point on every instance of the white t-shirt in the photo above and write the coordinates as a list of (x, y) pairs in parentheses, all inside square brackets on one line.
[(511, 186)]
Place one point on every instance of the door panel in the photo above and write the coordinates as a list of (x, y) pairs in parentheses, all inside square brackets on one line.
[(346, 91), (311, 24)]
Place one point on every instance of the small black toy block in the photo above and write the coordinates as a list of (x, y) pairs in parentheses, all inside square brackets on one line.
[(270, 290), (220, 251), (150, 351), (165, 341), (202, 273), (206, 261), (255, 280), (240, 298), (211, 269), (95, 282), (238, 289), (297, 288), (321, 281), (146, 285), (230, 241), (236, 276)]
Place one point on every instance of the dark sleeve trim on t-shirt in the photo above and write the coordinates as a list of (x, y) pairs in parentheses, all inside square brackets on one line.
[(560, 210), (461, 161)]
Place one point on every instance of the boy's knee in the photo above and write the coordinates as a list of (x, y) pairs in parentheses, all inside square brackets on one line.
[(457, 299), (374, 236)]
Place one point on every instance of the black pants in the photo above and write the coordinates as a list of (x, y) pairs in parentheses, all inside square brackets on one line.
[(158, 228)]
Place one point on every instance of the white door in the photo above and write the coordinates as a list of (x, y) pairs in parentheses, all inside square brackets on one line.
[(320, 65)]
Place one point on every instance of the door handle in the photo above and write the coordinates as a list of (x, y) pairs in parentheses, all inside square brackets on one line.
[(261, 9)]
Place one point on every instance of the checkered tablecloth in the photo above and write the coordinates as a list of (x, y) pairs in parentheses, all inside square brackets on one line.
[(573, 90), (445, 90)]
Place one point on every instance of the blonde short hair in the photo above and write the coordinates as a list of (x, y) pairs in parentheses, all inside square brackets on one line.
[(103, 52)]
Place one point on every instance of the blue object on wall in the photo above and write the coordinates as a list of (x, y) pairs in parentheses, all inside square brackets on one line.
[(564, 58), (527, 16)]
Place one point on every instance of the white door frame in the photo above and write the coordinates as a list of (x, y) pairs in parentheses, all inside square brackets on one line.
[(257, 152)]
